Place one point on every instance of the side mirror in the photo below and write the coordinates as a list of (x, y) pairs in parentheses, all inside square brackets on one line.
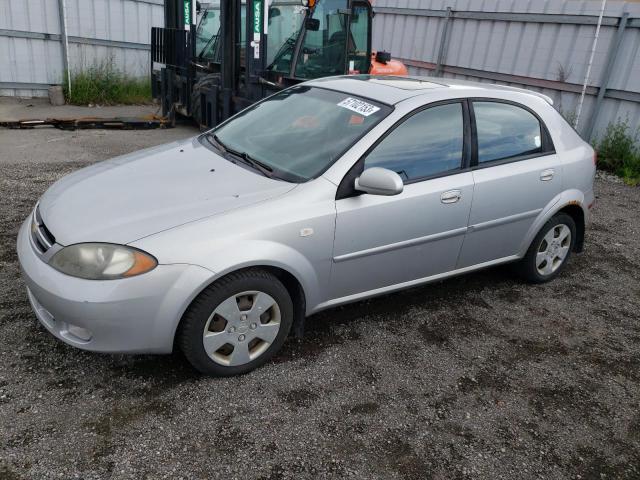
[(379, 181), (312, 24)]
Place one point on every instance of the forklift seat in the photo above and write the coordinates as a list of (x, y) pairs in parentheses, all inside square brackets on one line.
[(335, 51)]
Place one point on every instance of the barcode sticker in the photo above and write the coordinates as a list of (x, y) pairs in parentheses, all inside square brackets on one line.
[(363, 108)]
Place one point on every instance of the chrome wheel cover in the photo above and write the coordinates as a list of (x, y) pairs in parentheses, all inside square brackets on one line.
[(241, 328), (553, 249)]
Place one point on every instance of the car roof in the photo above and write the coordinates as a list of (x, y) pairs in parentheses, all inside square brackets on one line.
[(394, 89)]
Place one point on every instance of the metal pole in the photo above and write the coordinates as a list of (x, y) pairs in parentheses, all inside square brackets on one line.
[(230, 12), (64, 40), (611, 62), (442, 48), (588, 74)]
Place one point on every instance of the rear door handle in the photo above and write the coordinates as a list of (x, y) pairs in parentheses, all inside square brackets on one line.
[(547, 175), (452, 196)]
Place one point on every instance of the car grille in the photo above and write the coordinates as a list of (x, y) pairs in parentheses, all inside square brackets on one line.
[(43, 239)]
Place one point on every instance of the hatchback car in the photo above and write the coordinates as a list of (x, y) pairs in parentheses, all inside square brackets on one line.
[(326, 193)]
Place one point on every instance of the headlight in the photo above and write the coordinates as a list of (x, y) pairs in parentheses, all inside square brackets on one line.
[(102, 261)]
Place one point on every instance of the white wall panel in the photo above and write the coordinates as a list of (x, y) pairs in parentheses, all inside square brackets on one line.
[(40, 61), (549, 51)]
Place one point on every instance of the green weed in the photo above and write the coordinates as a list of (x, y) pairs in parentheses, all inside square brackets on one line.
[(104, 84), (619, 151)]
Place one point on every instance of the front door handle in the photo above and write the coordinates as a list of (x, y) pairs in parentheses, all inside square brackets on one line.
[(452, 196), (547, 175)]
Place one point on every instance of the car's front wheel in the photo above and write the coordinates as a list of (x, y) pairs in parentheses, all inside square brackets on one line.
[(550, 250), (237, 323)]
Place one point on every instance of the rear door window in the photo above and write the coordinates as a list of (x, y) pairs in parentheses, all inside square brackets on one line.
[(506, 131)]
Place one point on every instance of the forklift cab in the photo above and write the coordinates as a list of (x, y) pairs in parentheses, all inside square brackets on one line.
[(338, 43), (234, 53), (326, 39)]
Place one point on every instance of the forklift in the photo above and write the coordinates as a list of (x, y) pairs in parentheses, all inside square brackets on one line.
[(213, 59)]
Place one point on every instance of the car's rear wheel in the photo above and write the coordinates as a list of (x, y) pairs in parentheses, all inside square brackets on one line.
[(550, 250), (237, 323)]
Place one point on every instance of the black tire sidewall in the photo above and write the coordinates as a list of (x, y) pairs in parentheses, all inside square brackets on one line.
[(196, 317), (206, 81), (529, 268)]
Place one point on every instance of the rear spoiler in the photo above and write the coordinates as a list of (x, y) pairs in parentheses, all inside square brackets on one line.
[(546, 98)]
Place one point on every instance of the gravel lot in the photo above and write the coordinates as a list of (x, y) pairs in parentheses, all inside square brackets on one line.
[(476, 377)]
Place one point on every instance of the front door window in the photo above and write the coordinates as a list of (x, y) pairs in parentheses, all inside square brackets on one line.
[(429, 143)]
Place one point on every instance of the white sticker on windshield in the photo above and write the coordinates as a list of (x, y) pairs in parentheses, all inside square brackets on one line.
[(363, 108)]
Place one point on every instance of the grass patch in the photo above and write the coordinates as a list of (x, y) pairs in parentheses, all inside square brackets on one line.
[(104, 84), (619, 151)]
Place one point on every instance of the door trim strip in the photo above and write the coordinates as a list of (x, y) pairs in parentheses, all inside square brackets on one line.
[(404, 244), (504, 220), (412, 283)]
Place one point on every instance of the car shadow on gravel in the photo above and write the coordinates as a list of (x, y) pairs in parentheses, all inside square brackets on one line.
[(168, 371), (448, 295)]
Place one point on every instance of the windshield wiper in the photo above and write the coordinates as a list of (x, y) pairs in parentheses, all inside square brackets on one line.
[(262, 167), (215, 141)]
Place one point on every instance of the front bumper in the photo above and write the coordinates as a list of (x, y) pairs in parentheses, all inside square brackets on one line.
[(133, 315)]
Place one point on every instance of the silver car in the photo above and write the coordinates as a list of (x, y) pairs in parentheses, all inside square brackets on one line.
[(326, 193)]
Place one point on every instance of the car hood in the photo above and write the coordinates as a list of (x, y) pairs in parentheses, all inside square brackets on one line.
[(126, 198)]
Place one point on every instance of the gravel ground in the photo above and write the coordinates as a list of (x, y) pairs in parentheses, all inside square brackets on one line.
[(476, 377)]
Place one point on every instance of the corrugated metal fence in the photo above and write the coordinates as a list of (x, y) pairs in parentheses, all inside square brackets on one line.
[(535, 44), (31, 51)]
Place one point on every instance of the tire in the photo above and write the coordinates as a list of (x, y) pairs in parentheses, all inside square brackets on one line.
[(550, 250), (204, 83), (243, 318)]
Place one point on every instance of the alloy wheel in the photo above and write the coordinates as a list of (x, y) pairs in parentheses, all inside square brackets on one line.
[(553, 249)]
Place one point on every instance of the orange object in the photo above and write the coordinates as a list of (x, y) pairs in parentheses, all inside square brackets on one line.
[(392, 67), (306, 121), (143, 263)]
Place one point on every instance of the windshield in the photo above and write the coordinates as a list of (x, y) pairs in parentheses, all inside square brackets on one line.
[(324, 50), (298, 133), (207, 32), (285, 22)]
